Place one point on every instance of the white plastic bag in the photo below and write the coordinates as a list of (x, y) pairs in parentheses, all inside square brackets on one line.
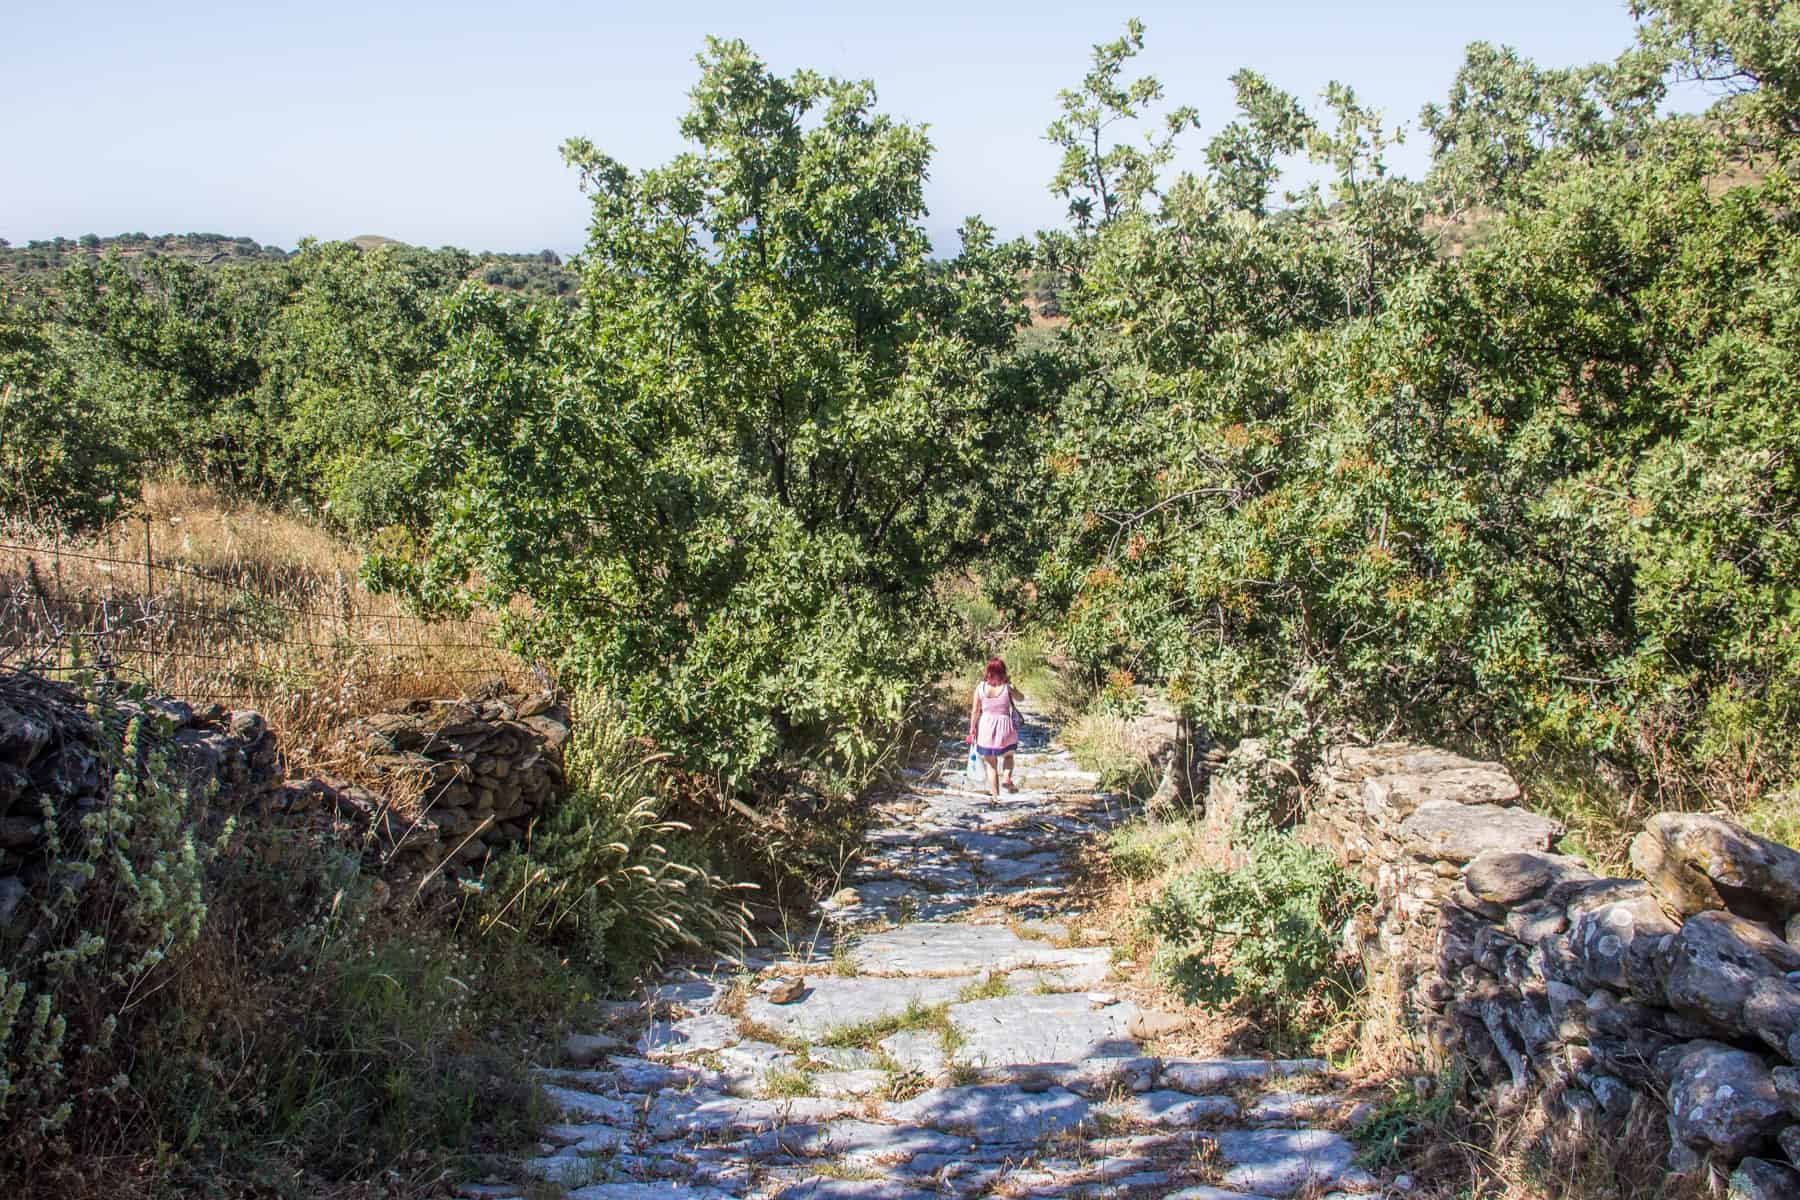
[(977, 774)]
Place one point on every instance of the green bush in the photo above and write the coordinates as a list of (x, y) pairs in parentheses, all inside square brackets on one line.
[(607, 874), (1264, 935)]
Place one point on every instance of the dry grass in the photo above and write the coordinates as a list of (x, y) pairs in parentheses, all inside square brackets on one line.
[(240, 606)]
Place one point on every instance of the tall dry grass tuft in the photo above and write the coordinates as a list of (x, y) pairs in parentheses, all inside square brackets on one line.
[(218, 601)]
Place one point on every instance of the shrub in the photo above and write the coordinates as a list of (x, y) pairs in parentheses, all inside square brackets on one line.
[(125, 896), (1263, 934), (607, 874)]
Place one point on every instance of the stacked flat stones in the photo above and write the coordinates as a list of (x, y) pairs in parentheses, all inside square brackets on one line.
[(54, 757), (476, 774), (953, 1037), (1594, 996)]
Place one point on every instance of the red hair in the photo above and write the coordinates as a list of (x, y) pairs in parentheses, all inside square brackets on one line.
[(996, 672)]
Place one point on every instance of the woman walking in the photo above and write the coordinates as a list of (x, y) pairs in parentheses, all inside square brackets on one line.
[(992, 724)]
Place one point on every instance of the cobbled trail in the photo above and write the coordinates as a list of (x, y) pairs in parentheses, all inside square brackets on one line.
[(949, 1040)]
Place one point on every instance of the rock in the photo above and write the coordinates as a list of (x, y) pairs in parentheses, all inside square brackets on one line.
[(850, 1083), (1787, 1086), (1759, 1179), (997, 1113), (1772, 1012), (20, 833), (786, 991), (1041, 1029), (1154, 1023), (832, 1003), (1697, 863), (1457, 833), (1507, 877), (917, 1050), (648, 1189), (1711, 964), (1617, 946), (574, 1102), (1166, 1109), (961, 949), (1282, 1162), (585, 1049), (1092, 1078), (1789, 1141), (1722, 1100), (1202, 1075), (12, 894), (693, 1035)]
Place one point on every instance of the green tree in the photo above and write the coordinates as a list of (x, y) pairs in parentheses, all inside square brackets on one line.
[(1113, 178), (726, 482)]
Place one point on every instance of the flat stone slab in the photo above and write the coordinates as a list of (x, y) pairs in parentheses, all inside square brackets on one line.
[(1041, 1029), (576, 1103), (588, 1139), (1280, 1162), (1222, 1074), (652, 1189), (1285, 1108), (919, 1050), (857, 1141), (854, 1189), (1460, 832), (1175, 1109), (1093, 1077), (831, 1003), (702, 1112), (847, 1084), (999, 1113), (691, 1035), (935, 949)]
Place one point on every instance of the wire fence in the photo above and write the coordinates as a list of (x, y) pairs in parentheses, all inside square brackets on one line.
[(254, 634)]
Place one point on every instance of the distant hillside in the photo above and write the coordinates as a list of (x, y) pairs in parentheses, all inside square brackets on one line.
[(54, 254), (540, 274)]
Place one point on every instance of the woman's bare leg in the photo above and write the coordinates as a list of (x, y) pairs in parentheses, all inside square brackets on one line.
[(993, 772), (1009, 767)]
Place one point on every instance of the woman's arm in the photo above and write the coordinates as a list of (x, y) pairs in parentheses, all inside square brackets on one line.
[(975, 712)]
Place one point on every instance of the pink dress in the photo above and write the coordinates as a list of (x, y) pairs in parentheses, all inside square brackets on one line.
[(996, 734)]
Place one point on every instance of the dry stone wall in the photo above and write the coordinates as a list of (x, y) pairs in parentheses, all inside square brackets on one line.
[(454, 779), (448, 782), (1592, 996)]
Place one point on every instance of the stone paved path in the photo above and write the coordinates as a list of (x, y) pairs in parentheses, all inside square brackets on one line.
[(949, 1041)]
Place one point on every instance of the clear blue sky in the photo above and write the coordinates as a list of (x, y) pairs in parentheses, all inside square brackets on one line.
[(439, 123)]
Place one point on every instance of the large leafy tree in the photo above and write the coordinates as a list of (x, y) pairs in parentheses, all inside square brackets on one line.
[(726, 483), (1536, 499)]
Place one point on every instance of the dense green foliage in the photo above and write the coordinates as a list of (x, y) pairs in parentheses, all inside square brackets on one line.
[(1539, 499), (727, 481)]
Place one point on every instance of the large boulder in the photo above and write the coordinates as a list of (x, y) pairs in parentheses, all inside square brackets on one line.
[(1711, 966), (1617, 945), (1698, 863), (1722, 1100), (1760, 1179), (1508, 877)]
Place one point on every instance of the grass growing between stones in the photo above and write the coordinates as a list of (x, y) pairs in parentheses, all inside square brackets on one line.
[(788, 1084), (863, 1035), (992, 987)]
